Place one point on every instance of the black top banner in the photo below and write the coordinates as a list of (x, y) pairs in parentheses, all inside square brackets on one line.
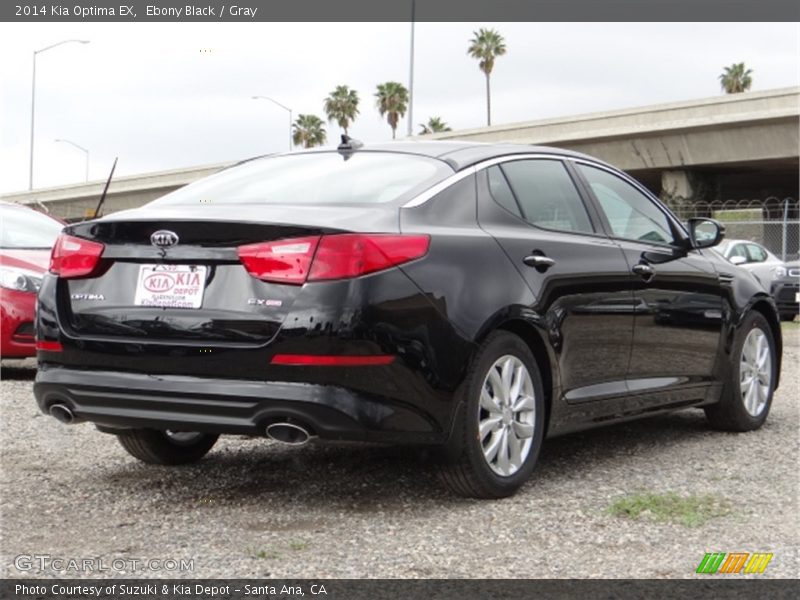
[(399, 10)]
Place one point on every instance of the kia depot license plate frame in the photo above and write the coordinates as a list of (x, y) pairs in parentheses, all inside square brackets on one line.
[(170, 286)]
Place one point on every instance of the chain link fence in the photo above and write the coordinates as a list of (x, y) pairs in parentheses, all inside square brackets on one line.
[(772, 222)]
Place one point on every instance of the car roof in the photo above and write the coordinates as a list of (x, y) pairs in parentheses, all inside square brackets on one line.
[(728, 242), (459, 154)]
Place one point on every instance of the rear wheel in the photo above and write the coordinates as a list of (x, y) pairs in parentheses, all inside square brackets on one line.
[(166, 447), (747, 395), (500, 426)]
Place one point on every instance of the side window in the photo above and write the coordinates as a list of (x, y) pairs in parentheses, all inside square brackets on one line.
[(547, 196), (739, 250), (757, 253), (631, 214), (500, 191)]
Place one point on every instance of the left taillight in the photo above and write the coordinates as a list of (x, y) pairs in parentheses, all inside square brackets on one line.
[(74, 257), (328, 257)]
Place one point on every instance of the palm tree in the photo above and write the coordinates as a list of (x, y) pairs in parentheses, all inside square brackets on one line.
[(392, 101), (736, 78), (341, 106), (486, 45), (308, 131), (434, 125)]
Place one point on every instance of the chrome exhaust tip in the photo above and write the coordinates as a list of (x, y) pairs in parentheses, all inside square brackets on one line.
[(288, 433), (62, 413)]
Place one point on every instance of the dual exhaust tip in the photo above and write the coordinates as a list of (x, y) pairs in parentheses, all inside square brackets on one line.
[(62, 413), (288, 433), (282, 431)]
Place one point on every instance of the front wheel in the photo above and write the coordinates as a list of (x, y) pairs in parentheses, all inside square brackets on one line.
[(166, 447), (499, 429), (747, 395)]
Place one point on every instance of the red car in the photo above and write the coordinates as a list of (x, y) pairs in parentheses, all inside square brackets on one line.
[(26, 238)]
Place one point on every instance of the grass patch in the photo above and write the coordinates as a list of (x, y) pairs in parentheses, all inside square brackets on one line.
[(267, 554), (690, 511), (739, 214), (791, 325), (298, 545)]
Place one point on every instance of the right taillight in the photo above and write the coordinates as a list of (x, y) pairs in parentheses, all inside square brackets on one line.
[(328, 257), (74, 257)]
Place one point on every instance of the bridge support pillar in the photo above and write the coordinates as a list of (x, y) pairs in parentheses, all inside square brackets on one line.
[(676, 185)]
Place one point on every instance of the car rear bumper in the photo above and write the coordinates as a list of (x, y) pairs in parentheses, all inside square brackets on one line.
[(115, 399)]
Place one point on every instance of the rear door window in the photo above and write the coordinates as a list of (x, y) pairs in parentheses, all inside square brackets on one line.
[(547, 196), (501, 191), (739, 250)]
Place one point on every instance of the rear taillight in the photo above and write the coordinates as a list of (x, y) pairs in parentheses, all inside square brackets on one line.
[(327, 257), (352, 255), (74, 257), (284, 261)]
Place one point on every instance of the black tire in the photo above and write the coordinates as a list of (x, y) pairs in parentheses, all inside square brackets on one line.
[(157, 448), (730, 414), (465, 470)]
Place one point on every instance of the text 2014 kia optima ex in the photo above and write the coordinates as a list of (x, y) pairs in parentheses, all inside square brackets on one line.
[(472, 298)]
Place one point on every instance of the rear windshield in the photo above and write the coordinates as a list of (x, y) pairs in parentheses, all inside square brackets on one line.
[(23, 228), (323, 178)]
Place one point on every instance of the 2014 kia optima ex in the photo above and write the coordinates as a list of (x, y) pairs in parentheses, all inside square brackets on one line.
[(473, 298)]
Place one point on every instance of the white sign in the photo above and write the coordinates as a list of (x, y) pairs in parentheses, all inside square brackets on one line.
[(172, 286)]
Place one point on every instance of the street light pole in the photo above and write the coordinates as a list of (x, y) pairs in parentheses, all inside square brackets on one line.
[(284, 108), (82, 149), (33, 99), (411, 74)]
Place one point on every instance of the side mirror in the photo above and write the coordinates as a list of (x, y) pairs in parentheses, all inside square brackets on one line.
[(737, 260), (705, 233)]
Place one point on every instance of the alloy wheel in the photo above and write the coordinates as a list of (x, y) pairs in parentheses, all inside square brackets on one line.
[(755, 372), (506, 415)]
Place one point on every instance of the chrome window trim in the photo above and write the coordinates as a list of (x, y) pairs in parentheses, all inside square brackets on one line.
[(423, 197)]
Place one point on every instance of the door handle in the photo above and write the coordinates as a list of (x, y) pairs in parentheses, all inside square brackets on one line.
[(644, 271), (539, 262)]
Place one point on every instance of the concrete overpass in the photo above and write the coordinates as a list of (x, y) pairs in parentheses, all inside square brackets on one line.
[(738, 146), (78, 201)]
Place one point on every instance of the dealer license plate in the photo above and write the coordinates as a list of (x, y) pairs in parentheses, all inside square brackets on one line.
[(170, 286)]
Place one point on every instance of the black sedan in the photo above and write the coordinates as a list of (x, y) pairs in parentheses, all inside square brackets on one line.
[(471, 298)]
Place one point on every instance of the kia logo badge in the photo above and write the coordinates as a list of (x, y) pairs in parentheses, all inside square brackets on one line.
[(164, 238)]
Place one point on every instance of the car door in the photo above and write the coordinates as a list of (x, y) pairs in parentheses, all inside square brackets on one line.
[(579, 277), (678, 296)]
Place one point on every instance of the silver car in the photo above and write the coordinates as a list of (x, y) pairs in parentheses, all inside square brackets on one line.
[(754, 257)]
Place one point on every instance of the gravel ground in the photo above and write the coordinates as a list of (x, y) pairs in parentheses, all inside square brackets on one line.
[(256, 509)]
